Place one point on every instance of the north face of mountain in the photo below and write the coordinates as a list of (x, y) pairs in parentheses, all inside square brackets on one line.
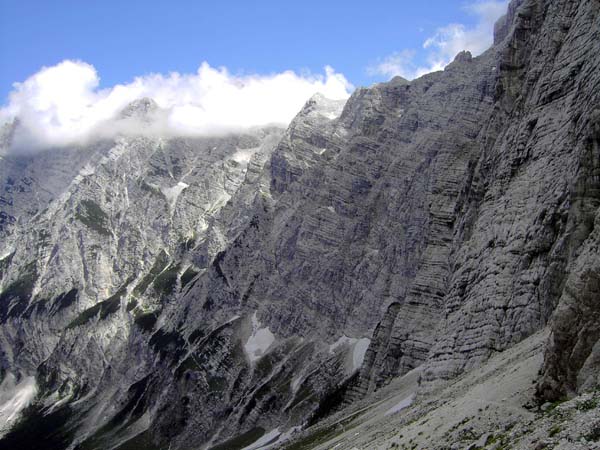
[(216, 292)]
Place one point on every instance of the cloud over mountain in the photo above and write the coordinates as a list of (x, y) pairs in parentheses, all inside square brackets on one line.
[(63, 104), (447, 41)]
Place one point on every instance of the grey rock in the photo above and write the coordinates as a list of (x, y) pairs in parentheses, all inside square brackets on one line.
[(191, 291)]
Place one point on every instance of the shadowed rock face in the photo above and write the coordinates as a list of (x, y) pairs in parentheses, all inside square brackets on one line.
[(198, 292)]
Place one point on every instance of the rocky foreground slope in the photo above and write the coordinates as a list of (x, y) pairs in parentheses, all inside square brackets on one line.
[(226, 292)]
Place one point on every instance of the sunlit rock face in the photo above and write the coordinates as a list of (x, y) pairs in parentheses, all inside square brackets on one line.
[(223, 291)]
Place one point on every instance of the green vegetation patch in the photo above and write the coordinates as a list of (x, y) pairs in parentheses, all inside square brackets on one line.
[(131, 304), (587, 405), (196, 335), (146, 321), (265, 365), (219, 258), (15, 297), (499, 439), (142, 441), (160, 264), (103, 309), (133, 409), (168, 343), (594, 434), (241, 441), (554, 431), (555, 404), (40, 430), (331, 402), (304, 393), (64, 300), (91, 215), (188, 276), (318, 437), (188, 364), (166, 281), (217, 384)]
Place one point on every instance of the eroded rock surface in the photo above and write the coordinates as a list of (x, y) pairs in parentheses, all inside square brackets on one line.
[(199, 293)]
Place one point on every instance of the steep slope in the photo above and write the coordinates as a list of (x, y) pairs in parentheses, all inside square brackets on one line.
[(535, 188), (211, 293), (106, 245)]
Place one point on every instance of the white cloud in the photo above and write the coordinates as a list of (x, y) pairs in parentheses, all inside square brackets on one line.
[(403, 64), (62, 104), (441, 48), (399, 63)]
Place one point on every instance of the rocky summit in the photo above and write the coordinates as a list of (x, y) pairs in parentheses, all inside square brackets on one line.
[(416, 267)]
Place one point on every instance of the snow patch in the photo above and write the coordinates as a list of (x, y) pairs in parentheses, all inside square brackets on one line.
[(296, 383), (115, 153), (173, 193), (288, 434), (341, 342), (404, 403), (327, 108), (14, 398), (218, 203), (259, 341), (6, 253), (360, 349), (87, 170), (243, 156), (202, 225), (264, 440)]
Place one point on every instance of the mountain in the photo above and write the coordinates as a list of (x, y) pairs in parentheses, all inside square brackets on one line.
[(424, 240)]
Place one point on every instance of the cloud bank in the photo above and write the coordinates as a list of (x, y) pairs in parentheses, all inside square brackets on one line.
[(63, 104), (441, 48)]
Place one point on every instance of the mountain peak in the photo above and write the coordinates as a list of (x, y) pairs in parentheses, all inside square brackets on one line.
[(320, 105), (143, 109)]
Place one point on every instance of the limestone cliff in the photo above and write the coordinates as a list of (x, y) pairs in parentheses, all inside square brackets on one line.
[(208, 293)]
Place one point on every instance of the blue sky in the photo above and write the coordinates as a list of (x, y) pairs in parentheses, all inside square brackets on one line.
[(123, 39), (68, 55)]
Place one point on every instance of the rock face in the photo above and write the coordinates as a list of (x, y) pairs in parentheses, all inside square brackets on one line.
[(211, 292), (535, 188)]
